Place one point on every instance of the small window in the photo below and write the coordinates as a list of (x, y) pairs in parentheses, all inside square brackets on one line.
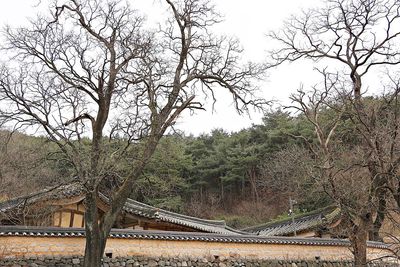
[(109, 255)]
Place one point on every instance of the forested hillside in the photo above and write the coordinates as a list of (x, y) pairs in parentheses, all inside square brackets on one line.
[(245, 177)]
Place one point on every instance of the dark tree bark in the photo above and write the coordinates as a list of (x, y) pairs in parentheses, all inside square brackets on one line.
[(380, 217), (95, 235), (359, 238)]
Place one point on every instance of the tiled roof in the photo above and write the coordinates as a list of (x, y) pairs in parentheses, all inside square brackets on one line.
[(310, 221), (184, 236), (211, 226), (54, 193), (131, 207)]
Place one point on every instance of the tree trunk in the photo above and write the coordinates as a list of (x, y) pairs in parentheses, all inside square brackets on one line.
[(252, 179), (380, 216), (98, 228), (380, 182), (360, 249), (222, 192), (359, 240), (243, 187), (94, 249), (95, 238), (356, 79), (201, 194), (397, 195)]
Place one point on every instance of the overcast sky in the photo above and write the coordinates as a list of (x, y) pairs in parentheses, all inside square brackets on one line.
[(249, 21)]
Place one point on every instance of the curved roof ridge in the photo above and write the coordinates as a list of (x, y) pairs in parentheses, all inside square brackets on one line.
[(208, 221), (160, 210), (207, 225), (142, 209), (298, 218), (301, 222)]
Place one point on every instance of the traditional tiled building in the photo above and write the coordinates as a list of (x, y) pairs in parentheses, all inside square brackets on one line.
[(63, 207)]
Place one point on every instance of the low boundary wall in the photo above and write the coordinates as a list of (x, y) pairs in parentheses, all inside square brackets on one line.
[(57, 243)]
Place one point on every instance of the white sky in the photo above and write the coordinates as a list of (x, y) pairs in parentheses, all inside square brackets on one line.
[(249, 21)]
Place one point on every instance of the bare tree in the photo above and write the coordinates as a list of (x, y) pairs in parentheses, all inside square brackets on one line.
[(358, 176), (91, 70), (331, 176), (288, 172), (358, 34)]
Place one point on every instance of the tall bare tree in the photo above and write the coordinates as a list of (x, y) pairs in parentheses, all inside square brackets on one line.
[(358, 35), (358, 176), (92, 71)]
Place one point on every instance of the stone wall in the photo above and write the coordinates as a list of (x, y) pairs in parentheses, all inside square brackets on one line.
[(184, 261), (65, 247), (27, 246)]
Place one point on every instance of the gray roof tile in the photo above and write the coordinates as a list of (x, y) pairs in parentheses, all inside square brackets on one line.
[(302, 223)]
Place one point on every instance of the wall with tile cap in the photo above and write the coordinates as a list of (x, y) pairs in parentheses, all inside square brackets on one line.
[(58, 246)]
